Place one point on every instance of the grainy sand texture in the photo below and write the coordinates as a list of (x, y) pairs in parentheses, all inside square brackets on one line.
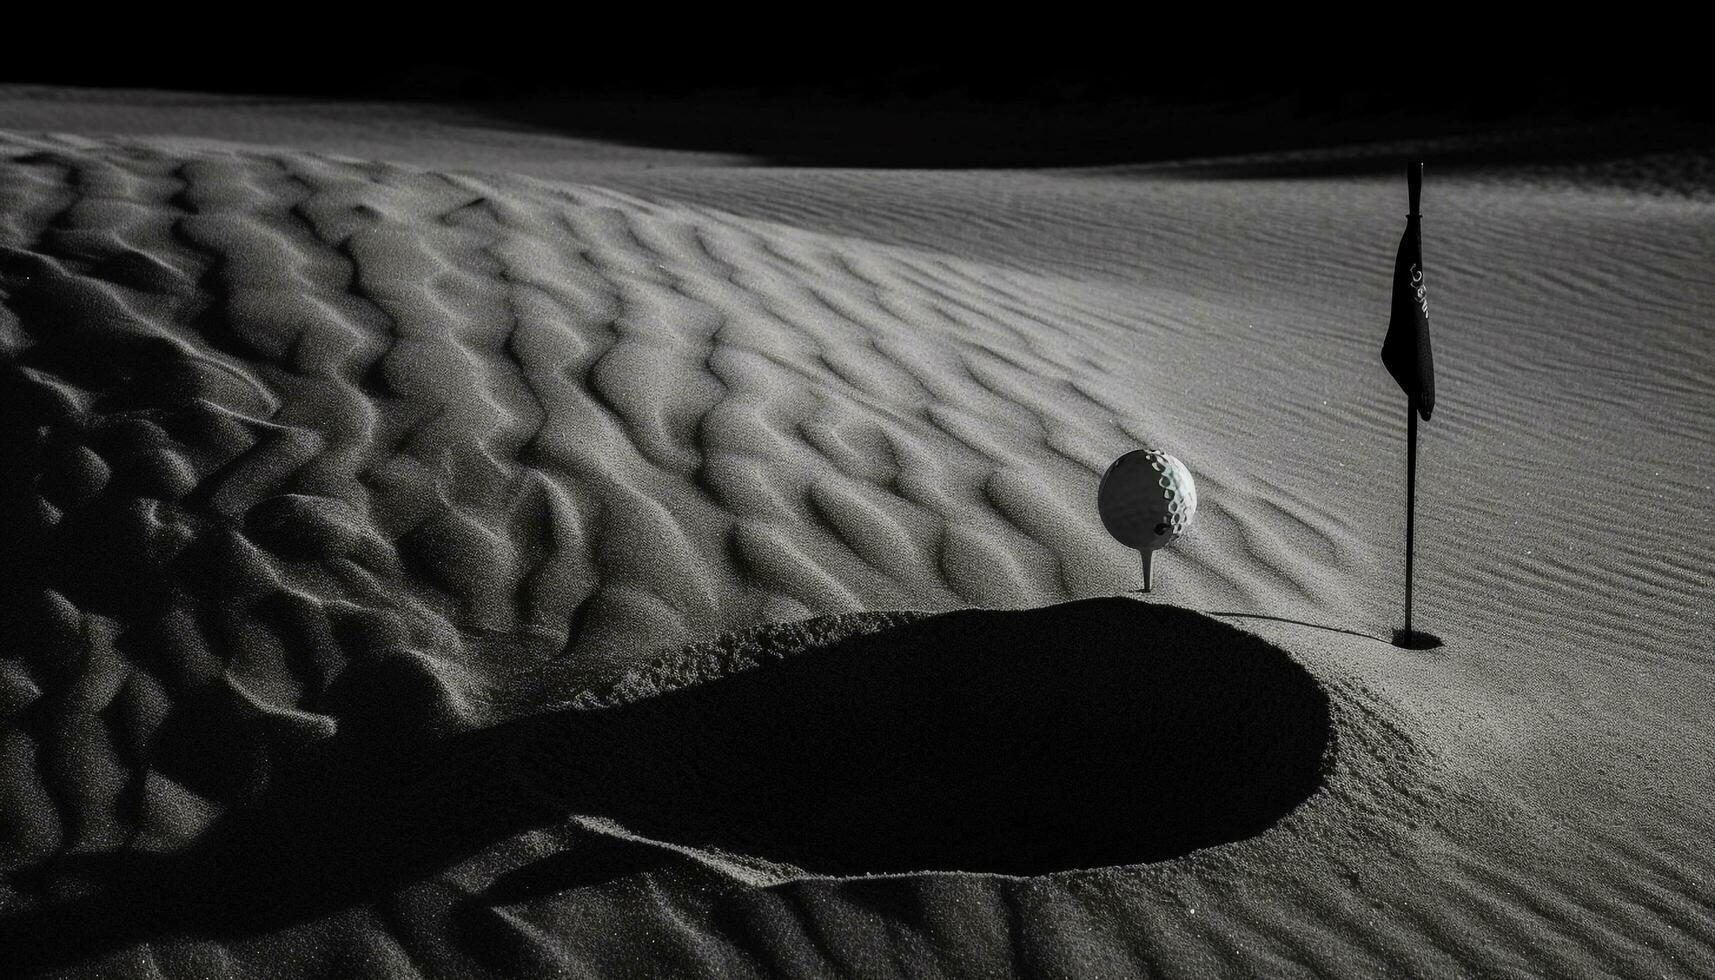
[(437, 550)]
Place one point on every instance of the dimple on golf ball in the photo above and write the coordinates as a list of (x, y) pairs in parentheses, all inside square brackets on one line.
[(1147, 499)]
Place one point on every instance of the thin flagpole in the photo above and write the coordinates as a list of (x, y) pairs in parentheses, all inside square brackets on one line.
[(1410, 502), (1414, 188)]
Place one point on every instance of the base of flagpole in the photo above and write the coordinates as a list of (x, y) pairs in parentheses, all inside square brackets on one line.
[(1415, 640)]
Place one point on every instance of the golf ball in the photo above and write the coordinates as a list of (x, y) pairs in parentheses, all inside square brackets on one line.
[(1147, 499)]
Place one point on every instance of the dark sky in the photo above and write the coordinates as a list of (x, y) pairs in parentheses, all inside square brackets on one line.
[(1432, 56), (867, 85)]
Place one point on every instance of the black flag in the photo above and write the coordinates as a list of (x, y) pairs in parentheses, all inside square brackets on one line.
[(1406, 351)]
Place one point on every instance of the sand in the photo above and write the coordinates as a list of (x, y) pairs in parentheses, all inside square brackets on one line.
[(631, 561)]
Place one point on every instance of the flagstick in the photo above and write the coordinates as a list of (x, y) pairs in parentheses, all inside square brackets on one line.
[(1414, 190), (1414, 185), (1410, 503)]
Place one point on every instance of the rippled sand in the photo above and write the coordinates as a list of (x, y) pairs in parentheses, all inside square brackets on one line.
[(424, 567)]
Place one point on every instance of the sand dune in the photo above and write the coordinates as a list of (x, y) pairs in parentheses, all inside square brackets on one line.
[(404, 564)]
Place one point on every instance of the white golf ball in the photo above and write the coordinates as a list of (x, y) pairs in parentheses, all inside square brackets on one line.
[(1147, 499)]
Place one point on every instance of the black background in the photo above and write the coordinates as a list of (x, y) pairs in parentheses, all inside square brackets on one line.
[(870, 85)]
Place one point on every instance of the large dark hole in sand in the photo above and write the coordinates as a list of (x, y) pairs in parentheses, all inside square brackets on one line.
[(1094, 733), (1088, 734)]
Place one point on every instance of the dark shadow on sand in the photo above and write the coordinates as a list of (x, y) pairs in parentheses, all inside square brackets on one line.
[(1213, 138), (1297, 622), (1094, 733)]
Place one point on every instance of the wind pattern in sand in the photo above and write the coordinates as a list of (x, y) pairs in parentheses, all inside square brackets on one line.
[(299, 446)]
